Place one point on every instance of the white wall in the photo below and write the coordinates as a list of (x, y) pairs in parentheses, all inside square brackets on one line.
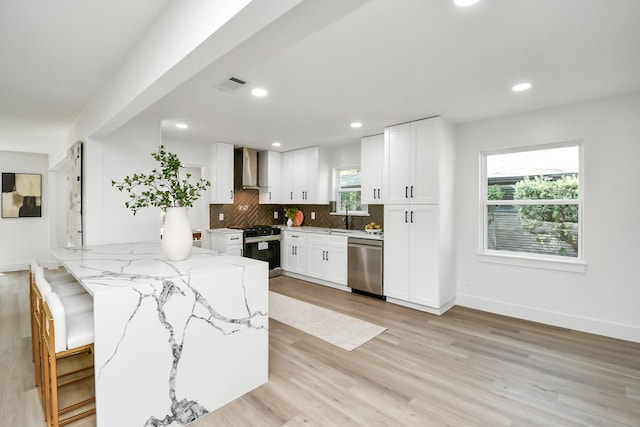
[(341, 156), (604, 299), (22, 239), (125, 152), (194, 154)]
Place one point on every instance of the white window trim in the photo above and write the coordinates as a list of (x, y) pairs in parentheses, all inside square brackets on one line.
[(525, 259), (336, 177)]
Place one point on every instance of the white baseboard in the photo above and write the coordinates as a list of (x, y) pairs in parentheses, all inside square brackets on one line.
[(315, 280), (6, 268), (578, 323), (421, 307)]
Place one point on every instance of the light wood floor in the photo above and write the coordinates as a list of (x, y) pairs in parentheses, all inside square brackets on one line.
[(465, 368)]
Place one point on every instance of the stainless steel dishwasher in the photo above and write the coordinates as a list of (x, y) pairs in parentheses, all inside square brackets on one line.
[(364, 273)]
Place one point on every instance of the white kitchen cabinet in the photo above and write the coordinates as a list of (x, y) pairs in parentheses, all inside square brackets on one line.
[(305, 177), (294, 257), (288, 160), (327, 258), (270, 177), (372, 164), (418, 256), (222, 166), (416, 159), (226, 240)]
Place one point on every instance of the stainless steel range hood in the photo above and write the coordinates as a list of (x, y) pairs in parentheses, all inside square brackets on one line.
[(246, 168)]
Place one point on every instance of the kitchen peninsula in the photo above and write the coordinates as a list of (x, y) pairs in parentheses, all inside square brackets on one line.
[(174, 340)]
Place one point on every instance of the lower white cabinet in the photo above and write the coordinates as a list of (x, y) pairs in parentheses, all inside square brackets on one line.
[(418, 255), (293, 257), (226, 240), (327, 258)]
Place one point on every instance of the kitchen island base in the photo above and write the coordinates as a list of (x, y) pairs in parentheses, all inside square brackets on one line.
[(174, 340)]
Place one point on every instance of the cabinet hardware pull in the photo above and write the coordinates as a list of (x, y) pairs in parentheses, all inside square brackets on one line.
[(269, 195), (327, 258), (412, 191), (411, 217), (405, 217), (406, 192), (231, 194), (323, 255), (374, 193), (291, 196), (378, 193)]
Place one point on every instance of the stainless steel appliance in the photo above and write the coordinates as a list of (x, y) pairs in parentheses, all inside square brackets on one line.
[(262, 242), (364, 273)]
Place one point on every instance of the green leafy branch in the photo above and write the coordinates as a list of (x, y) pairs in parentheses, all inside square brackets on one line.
[(163, 187)]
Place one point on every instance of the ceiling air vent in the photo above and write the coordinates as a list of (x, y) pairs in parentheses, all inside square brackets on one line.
[(231, 83)]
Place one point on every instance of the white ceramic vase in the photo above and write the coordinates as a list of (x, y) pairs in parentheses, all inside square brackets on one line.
[(177, 238), (289, 222)]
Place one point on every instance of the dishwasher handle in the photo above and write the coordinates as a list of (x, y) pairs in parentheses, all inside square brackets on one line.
[(359, 241)]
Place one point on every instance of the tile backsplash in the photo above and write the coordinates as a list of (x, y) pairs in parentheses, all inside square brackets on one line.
[(246, 211)]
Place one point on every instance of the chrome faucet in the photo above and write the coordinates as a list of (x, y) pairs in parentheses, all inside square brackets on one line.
[(346, 217)]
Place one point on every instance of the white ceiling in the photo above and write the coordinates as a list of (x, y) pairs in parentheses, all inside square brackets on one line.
[(55, 54), (393, 61), (386, 62)]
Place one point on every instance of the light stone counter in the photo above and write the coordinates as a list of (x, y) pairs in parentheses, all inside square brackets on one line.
[(174, 340), (334, 231)]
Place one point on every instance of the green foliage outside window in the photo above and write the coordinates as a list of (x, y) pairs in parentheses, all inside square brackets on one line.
[(544, 221)]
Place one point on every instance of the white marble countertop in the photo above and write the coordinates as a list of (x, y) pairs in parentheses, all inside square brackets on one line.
[(225, 230), (334, 232), (105, 267)]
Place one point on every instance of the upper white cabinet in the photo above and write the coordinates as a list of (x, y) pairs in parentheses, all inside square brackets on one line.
[(415, 155), (222, 166), (305, 177), (270, 177), (372, 164)]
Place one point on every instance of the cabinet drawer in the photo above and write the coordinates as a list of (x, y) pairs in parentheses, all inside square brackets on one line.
[(295, 237), (233, 239), (337, 241)]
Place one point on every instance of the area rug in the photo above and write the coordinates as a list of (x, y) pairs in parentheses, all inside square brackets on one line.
[(338, 329)]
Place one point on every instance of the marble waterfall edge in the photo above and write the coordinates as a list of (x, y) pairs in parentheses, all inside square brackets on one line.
[(180, 340)]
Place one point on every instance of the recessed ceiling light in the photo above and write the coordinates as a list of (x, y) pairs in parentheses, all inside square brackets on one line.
[(520, 87), (356, 125), (275, 144), (465, 3), (259, 92), (181, 125)]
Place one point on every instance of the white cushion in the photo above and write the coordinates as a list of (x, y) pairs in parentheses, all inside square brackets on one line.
[(80, 329), (67, 288), (74, 304), (59, 320), (41, 282), (55, 276)]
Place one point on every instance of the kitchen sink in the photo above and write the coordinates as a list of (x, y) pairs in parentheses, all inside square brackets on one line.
[(342, 231)]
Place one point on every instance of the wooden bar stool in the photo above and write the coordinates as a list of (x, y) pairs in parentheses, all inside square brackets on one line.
[(37, 302), (65, 336), (73, 304)]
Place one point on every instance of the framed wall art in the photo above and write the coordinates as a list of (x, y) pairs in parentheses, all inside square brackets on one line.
[(21, 195)]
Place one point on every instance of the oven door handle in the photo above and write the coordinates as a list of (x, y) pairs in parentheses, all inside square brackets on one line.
[(262, 239)]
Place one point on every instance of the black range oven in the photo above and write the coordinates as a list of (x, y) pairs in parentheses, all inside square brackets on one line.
[(262, 242)]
